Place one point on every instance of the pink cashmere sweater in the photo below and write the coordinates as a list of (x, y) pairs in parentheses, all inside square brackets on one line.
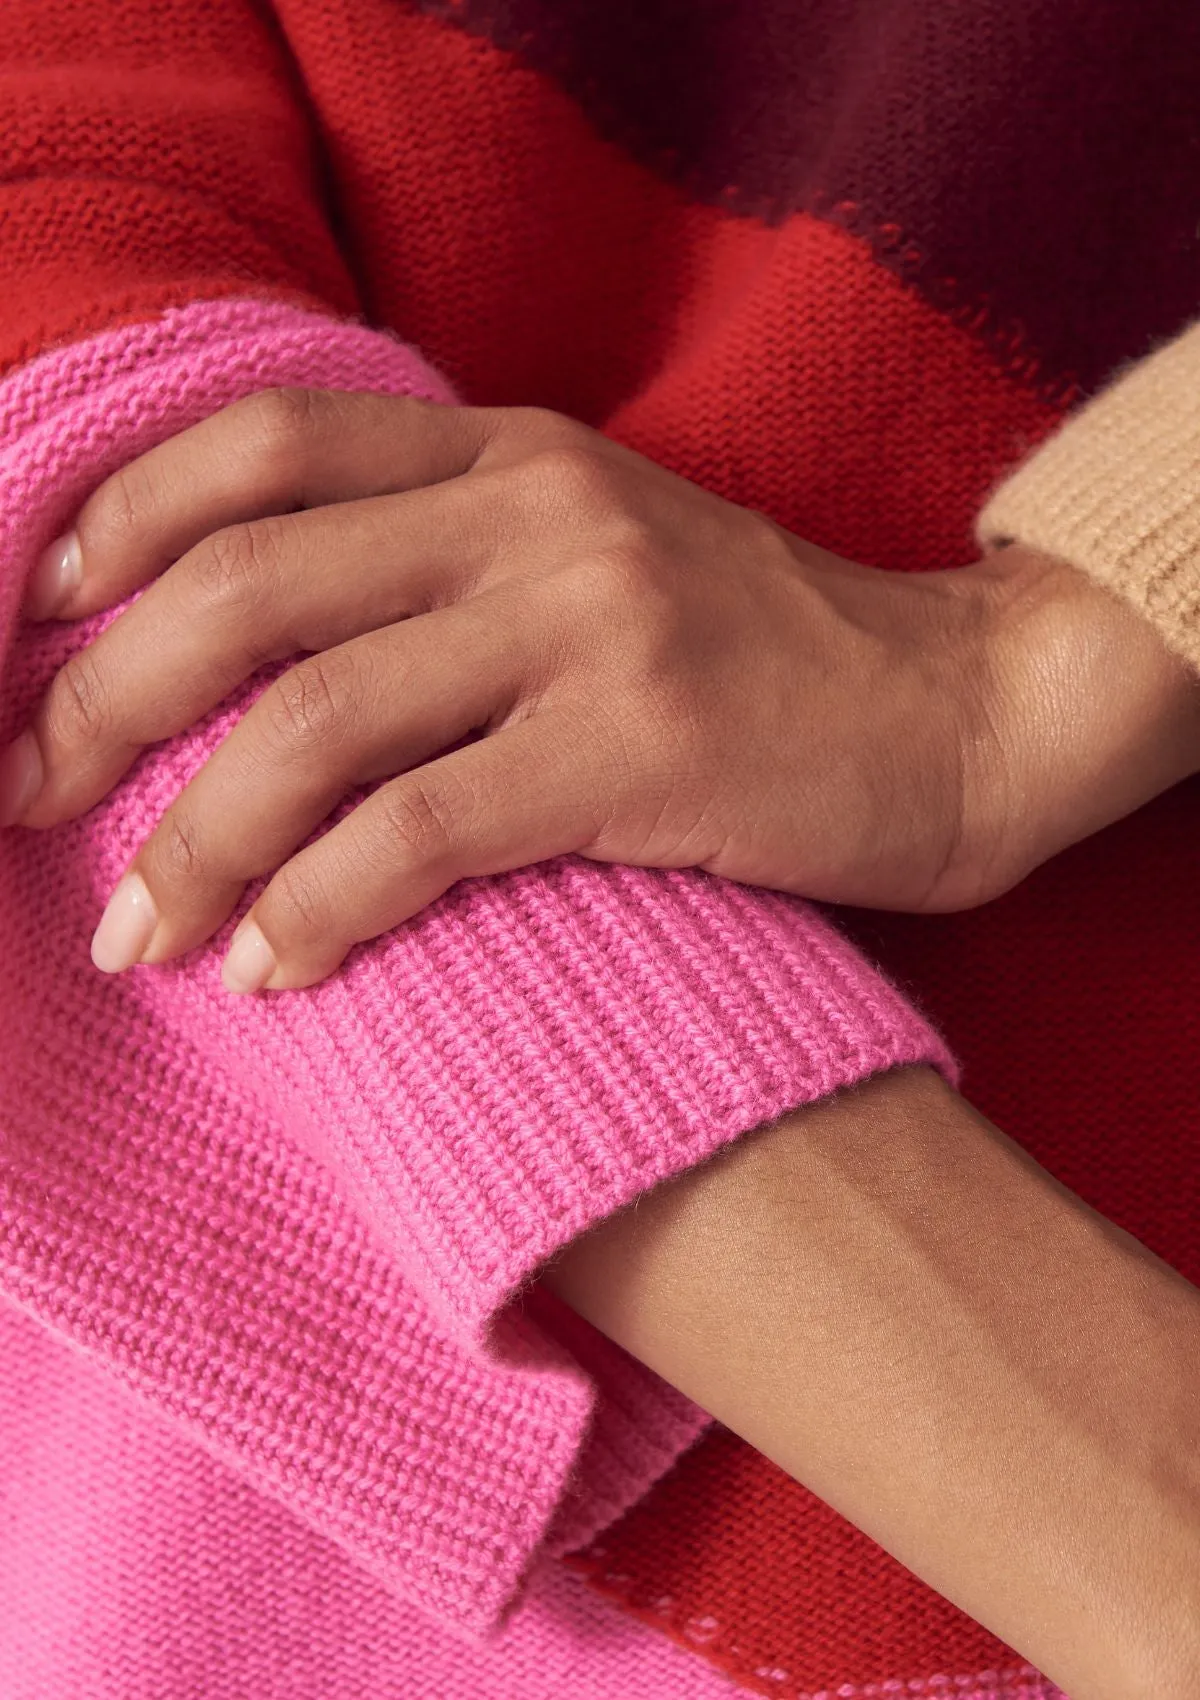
[(275, 1416)]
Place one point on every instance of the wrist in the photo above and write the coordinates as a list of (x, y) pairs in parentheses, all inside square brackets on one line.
[(1092, 714)]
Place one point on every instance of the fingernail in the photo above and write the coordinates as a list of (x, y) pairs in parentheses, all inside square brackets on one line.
[(250, 961), (55, 579), (21, 777), (126, 926)]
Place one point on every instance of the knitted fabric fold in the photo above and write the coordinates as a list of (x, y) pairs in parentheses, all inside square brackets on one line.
[(299, 1226), (111, 1516), (1116, 493)]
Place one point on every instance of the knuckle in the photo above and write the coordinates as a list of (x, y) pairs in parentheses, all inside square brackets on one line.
[(309, 706), (285, 418), (572, 472), (110, 520), (176, 848), (419, 814), (235, 568), (294, 908), (79, 710)]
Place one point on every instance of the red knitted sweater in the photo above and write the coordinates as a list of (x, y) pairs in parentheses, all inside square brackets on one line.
[(839, 260)]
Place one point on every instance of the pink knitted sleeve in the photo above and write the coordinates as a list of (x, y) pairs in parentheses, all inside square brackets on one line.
[(298, 1225)]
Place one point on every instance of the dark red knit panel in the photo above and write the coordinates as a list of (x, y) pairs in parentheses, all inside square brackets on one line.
[(1032, 161), (535, 262)]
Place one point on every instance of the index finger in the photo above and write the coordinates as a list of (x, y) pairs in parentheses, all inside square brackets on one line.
[(269, 453)]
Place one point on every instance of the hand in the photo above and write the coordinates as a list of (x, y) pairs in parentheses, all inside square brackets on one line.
[(541, 642)]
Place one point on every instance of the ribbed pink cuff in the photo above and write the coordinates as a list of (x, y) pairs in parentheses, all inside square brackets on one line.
[(294, 1223)]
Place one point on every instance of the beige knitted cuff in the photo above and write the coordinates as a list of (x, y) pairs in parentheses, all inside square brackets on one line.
[(1116, 492)]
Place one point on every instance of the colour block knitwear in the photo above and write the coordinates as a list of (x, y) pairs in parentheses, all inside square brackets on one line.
[(221, 1594), (841, 261), (112, 1517), (294, 1227)]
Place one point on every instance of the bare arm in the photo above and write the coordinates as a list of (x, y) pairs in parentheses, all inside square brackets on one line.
[(897, 1305)]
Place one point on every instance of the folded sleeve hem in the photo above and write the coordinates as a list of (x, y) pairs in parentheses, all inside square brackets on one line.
[(575, 1033)]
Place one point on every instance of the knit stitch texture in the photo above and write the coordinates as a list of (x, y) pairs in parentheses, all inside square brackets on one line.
[(135, 1567), (296, 1225), (111, 1517), (1116, 492)]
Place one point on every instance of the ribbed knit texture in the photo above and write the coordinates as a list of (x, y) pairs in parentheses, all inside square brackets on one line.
[(1116, 492), (294, 1224)]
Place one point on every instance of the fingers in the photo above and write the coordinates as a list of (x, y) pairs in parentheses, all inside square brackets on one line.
[(497, 804), (270, 453), (250, 594), (373, 707)]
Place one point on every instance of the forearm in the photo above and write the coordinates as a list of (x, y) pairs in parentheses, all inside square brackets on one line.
[(888, 1298)]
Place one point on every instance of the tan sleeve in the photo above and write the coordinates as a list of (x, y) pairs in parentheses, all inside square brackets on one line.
[(1116, 492)]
